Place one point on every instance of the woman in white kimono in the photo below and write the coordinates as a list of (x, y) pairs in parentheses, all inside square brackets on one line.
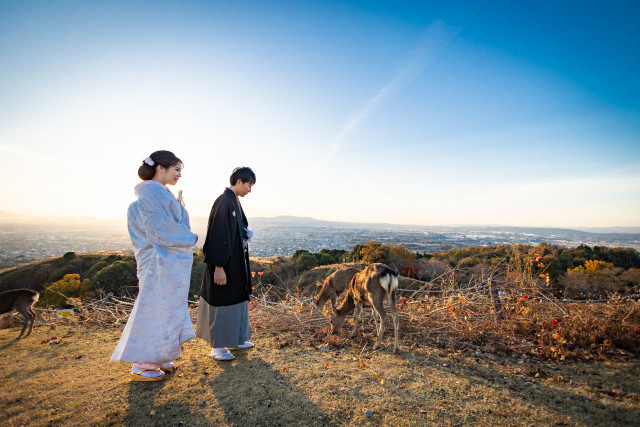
[(162, 240)]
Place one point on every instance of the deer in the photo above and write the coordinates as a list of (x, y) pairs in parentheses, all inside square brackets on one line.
[(21, 300), (334, 287), (371, 287)]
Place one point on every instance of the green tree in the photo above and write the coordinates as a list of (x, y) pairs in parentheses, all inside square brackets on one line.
[(373, 251), (306, 261), (62, 271), (354, 255), (297, 254), (324, 258), (96, 268), (335, 254), (115, 277)]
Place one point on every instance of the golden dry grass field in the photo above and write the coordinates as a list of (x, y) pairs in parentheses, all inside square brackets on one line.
[(305, 378)]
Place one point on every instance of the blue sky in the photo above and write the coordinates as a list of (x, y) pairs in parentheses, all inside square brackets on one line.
[(512, 113)]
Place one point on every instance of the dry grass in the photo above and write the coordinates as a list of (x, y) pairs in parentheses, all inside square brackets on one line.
[(297, 375)]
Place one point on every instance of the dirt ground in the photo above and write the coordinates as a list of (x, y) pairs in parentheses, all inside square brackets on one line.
[(62, 376)]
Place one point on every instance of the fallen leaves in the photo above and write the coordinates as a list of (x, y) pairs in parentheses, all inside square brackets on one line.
[(56, 339)]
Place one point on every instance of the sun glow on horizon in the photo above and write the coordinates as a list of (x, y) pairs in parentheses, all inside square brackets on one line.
[(417, 115)]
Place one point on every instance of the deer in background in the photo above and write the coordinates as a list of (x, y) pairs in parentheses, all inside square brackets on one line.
[(22, 301), (334, 287), (371, 287)]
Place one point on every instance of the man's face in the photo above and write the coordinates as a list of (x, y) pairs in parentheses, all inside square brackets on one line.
[(243, 188)]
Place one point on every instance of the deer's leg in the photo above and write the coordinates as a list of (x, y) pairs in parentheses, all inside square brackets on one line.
[(334, 302), (356, 316), (376, 319), (396, 320), (33, 319), (27, 317), (321, 301), (379, 309)]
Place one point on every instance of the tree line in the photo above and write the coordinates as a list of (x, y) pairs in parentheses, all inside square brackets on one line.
[(582, 272)]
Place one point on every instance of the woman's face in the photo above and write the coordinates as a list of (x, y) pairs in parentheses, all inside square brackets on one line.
[(170, 175)]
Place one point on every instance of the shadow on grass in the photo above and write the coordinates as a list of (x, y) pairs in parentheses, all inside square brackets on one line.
[(571, 404), (144, 411), (251, 391), (9, 344)]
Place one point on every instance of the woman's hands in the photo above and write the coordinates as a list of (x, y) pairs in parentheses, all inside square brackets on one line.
[(219, 276)]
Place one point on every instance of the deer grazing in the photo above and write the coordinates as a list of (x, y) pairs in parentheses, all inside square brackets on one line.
[(334, 287), (370, 288), (22, 301)]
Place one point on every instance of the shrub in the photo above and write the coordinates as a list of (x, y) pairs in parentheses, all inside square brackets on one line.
[(401, 255), (115, 277), (112, 258), (324, 259), (581, 283), (69, 286), (62, 271), (306, 261), (335, 255), (96, 268), (197, 273), (69, 256)]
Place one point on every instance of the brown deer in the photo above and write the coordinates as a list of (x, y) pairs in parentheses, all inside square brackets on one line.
[(334, 287), (370, 288), (22, 301)]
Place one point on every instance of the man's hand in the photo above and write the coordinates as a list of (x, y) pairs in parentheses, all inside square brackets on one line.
[(219, 276)]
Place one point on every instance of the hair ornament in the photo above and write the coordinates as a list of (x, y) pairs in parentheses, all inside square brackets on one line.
[(149, 161)]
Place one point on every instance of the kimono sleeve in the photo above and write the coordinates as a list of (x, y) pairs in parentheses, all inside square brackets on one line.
[(217, 248), (161, 228)]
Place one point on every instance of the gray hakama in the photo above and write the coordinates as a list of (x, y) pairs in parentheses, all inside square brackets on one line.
[(224, 326)]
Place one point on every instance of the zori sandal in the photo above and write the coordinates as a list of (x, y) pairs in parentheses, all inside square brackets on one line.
[(138, 376), (244, 346), (221, 355), (168, 367)]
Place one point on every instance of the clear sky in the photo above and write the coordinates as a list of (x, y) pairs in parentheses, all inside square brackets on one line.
[(499, 112)]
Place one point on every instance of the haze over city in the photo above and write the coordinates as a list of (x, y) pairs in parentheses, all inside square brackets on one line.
[(430, 113)]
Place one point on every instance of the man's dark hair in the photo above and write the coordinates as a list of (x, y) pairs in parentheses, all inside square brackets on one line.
[(243, 174)]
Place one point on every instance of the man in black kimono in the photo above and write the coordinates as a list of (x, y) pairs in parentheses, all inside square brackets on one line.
[(223, 310)]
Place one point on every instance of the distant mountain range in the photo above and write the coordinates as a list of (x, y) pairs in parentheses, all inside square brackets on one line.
[(285, 220), (24, 238), (308, 221)]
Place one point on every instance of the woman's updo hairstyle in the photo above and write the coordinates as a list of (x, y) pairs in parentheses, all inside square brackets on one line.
[(164, 158)]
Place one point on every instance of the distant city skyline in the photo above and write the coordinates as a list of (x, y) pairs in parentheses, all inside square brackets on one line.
[(22, 242), (425, 113)]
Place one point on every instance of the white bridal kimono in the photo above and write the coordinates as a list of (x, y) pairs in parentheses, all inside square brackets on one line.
[(162, 241)]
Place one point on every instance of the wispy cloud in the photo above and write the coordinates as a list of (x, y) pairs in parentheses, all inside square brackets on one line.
[(435, 38)]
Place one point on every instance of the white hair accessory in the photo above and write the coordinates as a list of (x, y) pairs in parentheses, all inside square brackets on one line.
[(149, 161)]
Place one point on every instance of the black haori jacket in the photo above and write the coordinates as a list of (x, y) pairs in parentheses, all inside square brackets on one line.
[(223, 248)]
